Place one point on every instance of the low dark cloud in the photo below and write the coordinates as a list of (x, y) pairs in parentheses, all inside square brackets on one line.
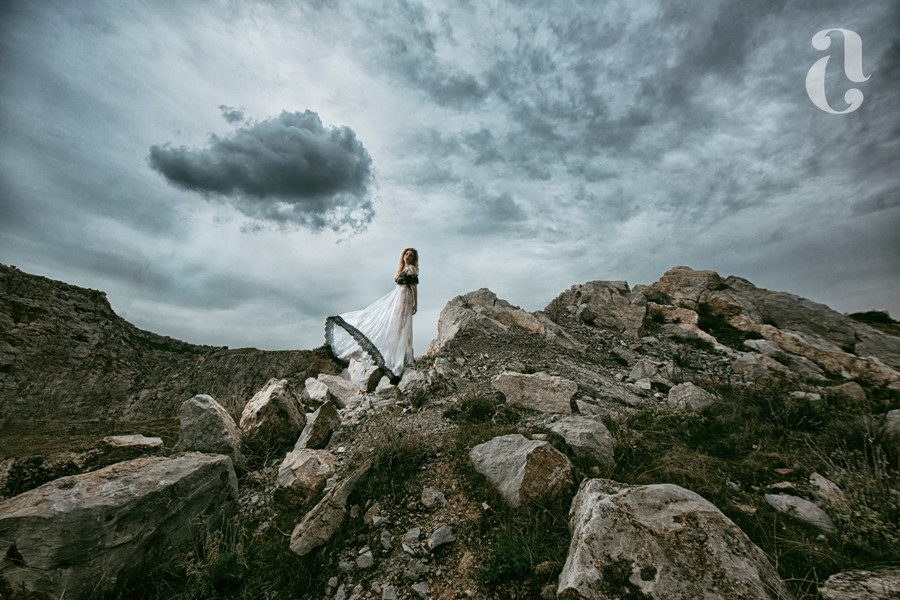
[(231, 114), (288, 170)]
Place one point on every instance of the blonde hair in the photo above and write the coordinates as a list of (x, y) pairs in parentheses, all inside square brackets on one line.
[(415, 261)]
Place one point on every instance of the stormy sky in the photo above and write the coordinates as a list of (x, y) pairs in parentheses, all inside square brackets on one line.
[(231, 173)]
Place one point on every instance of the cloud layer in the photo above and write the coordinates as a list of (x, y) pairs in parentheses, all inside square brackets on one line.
[(289, 170)]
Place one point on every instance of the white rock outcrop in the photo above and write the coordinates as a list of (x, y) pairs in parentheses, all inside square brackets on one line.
[(660, 542)]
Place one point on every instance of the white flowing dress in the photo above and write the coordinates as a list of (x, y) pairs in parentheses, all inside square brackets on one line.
[(381, 333)]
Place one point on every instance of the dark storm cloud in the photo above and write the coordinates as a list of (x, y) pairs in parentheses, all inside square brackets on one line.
[(411, 51), (231, 114), (289, 170)]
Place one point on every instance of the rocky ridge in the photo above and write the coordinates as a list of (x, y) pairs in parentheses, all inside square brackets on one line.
[(575, 374)]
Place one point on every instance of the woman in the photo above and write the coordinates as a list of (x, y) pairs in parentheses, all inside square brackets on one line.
[(381, 333)]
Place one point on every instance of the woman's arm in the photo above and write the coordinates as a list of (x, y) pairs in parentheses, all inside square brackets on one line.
[(415, 298)]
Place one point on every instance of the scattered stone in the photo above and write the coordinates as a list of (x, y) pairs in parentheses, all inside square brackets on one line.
[(341, 594), (371, 513), (859, 585), (801, 509), (76, 535), (420, 589), (273, 415), (690, 397), (321, 522), (411, 380), (660, 542), (412, 535), (523, 469), (207, 427), (540, 391), (431, 498), (319, 427), (826, 490), (365, 560), (302, 475), (388, 592), (587, 437), (387, 391), (440, 536), (644, 369), (851, 391), (386, 540)]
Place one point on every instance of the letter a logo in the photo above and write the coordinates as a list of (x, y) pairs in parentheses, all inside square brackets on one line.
[(815, 78)]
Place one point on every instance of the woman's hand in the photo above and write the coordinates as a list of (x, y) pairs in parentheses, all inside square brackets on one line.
[(414, 309)]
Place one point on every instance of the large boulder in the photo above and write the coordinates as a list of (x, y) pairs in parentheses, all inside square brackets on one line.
[(302, 475), (588, 437), (273, 415), (319, 524), (207, 427), (608, 304), (538, 391), (523, 470), (859, 585), (78, 536), (660, 542), (319, 426)]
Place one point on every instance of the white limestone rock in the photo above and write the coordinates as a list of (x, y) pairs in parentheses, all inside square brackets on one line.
[(539, 391), (522, 469), (659, 542), (78, 535)]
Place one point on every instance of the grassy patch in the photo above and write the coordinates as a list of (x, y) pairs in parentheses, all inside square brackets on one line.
[(729, 452), (20, 439)]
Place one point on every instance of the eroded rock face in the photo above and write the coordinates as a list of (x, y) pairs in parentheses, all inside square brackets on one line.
[(207, 427), (78, 535), (608, 304), (538, 391), (523, 469), (659, 542), (835, 342), (273, 414)]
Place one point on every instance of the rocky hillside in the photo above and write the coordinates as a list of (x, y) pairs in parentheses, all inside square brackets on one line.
[(65, 355), (697, 437)]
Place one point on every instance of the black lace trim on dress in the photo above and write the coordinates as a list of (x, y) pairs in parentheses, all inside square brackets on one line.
[(408, 279), (359, 337)]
